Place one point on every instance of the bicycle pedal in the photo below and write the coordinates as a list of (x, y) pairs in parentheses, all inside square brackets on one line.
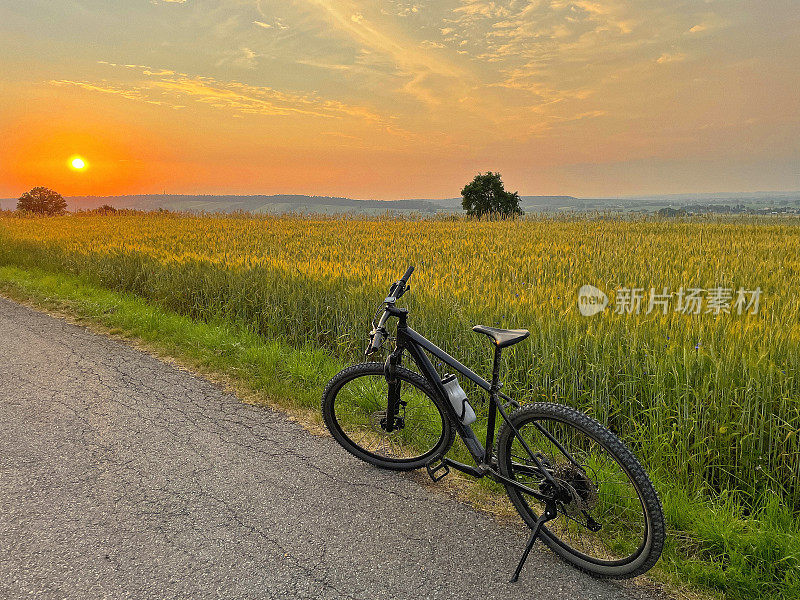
[(437, 471)]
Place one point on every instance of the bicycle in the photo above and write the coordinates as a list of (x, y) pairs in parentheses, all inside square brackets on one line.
[(573, 482)]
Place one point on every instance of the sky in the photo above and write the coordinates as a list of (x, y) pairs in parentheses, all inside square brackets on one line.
[(390, 99)]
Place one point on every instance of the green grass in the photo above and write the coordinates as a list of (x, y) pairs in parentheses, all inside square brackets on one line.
[(271, 372), (713, 544)]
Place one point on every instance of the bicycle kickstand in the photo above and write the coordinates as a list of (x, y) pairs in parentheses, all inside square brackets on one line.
[(548, 514)]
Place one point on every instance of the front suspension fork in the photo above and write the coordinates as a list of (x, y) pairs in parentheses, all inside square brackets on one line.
[(393, 397)]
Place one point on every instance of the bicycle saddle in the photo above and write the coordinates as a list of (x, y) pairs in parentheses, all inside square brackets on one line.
[(503, 337)]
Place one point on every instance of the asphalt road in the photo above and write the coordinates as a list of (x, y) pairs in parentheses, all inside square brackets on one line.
[(122, 476)]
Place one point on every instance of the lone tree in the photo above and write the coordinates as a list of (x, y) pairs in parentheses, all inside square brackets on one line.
[(485, 195), (43, 201)]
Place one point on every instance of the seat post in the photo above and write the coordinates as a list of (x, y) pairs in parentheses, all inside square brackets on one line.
[(493, 389), (496, 370)]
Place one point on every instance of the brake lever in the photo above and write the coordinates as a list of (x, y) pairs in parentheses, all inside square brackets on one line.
[(397, 296)]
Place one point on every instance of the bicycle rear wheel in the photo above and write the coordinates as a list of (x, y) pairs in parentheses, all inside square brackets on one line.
[(354, 409), (610, 523)]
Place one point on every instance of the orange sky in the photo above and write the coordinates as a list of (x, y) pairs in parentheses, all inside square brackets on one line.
[(399, 99)]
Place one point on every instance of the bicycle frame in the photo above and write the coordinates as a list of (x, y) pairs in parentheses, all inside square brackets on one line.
[(416, 345)]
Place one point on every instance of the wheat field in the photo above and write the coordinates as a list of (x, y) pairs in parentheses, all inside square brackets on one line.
[(709, 400)]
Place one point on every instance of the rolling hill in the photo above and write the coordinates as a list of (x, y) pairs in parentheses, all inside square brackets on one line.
[(330, 205)]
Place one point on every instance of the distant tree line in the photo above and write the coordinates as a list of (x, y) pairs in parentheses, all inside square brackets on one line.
[(737, 209), (44, 201)]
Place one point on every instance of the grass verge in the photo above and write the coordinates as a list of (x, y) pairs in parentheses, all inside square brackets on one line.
[(266, 372), (713, 548)]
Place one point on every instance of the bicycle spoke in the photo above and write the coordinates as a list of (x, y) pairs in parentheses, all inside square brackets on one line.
[(614, 505), (361, 407)]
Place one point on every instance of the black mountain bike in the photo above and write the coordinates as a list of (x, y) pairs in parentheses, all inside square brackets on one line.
[(573, 482)]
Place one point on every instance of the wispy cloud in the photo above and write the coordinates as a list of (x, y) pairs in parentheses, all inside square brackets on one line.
[(276, 24), (243, 57), (668, 57), (426, 76), (166, 87), (130, 92), (564, 59), (403, 9)]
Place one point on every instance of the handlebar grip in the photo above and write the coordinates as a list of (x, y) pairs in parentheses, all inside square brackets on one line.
[(398, 288), (405, 277)]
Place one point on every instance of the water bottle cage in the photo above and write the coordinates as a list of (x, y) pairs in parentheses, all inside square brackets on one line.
[(463, 409)]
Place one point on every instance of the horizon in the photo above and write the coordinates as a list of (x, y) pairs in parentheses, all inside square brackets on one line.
[(398, 100), (728, 195), (276, 204)]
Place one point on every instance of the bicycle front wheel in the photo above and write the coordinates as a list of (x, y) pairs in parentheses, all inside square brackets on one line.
[(354, 408), (610, 523)]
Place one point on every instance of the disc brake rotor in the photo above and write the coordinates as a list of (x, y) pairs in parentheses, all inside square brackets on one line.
[(378, 421)]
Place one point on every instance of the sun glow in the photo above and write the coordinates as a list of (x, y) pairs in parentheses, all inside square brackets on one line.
[(77, 163)]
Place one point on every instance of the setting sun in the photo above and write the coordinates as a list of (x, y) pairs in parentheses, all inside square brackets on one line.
[(78, 164)]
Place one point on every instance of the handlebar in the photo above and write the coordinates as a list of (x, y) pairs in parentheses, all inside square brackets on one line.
[(399, 287), (378, 334), (408, 273)]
